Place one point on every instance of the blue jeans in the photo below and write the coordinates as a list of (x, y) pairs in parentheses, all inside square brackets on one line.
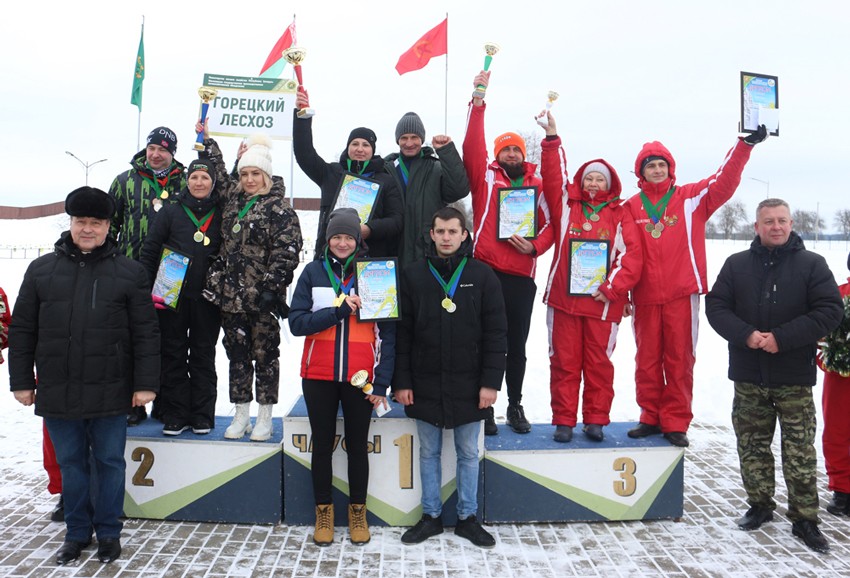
[(103, 439), (431, 468)]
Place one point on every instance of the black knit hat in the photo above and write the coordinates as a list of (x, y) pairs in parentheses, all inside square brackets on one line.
[(344, 221), (410, 123), (365, 133), (649, 159), (90, 202), (204, 165), (164, 137)]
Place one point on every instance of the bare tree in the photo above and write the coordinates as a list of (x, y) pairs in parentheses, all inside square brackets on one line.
[(711, 230), (842, 223), (732, 215), (533, 149), (807, 222)]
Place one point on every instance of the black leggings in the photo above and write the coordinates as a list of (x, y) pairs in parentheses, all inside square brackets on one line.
[(518, 292), (323, 399)]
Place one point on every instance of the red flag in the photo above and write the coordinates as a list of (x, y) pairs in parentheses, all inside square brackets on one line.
[(284, 42), (434, 43)]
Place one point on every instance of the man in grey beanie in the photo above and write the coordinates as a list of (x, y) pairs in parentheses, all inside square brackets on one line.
[(429, 179)]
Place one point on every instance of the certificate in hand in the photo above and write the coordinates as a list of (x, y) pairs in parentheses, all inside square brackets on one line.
[(589, 265), (359, 193), (759, 102), (377, 285), (517, 212), (171, 276)]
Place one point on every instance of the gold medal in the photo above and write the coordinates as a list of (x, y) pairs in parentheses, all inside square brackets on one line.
[(206, 241), (339, 299), (237, 227), (659, 226), (164, 195), (655, 234), (650, 227), (594, 217), (198, 237), (447, 304), (586, 226)]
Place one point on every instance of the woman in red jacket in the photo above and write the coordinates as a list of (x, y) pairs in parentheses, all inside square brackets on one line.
[(583, 322)]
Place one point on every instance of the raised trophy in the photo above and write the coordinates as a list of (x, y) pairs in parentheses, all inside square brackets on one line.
[(543, 119), (207, 95), (295, 56), (360, 380), (490, 49)]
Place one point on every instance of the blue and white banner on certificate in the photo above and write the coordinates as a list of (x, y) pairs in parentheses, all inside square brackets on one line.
[(589, 265), (759, 102), (171, 276), (517, 212), (377, 285), (358, 193)]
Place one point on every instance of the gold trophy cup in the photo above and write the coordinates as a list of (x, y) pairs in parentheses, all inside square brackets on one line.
[(360, 380), (207, 95), (295, 56), (490, 49)]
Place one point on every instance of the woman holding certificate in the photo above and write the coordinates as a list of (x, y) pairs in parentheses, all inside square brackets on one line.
[(190, 227), (597, 261), (261, 242), (347, 183), (338, 346)]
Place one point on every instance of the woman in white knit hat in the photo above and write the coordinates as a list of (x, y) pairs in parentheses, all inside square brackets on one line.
[(261, 243)]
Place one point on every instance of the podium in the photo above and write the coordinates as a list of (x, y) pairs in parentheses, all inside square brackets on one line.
[(203, 478), (619, 478), (394, 497)]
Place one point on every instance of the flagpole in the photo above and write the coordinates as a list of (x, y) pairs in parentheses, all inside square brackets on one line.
[(292, 146), (446, 83), (139, 117)]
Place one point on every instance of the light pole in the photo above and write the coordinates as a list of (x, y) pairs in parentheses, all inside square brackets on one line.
[(86, 165), (765, 183)]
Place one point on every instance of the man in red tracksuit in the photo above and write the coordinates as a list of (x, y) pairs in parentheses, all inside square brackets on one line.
[(836, 431), (583, 328), (665, 301), (514, 260)]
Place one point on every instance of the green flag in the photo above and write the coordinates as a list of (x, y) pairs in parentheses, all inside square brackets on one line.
[(139, 73)]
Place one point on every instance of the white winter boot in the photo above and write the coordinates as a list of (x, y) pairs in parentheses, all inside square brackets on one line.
[(263, 427), (241, 423)]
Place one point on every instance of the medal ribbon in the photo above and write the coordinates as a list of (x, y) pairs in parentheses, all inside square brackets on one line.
[(589, 209), (451, 286), (348, 163), (204, 223), (157, 185), (655, 211), (405, 173), (247, 208), (517, 182), (337, 282)]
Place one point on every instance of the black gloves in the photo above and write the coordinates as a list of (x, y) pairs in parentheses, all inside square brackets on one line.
[(756, 137), (269, 303)]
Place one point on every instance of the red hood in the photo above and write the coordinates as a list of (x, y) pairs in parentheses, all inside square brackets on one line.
[(656, 149), (614, 188)]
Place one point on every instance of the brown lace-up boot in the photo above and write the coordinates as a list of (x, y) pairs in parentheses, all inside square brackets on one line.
[(358, 528), (324, 532)]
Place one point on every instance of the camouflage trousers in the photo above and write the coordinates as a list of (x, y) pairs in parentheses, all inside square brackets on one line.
[(754, 413), (252, 343)]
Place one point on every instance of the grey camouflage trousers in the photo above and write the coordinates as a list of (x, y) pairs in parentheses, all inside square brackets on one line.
[(755, 411), (252, 343)]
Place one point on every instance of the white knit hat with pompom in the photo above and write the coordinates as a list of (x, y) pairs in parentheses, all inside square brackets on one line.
[(258, 154)]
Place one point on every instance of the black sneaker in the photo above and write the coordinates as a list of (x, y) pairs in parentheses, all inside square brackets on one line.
[(490, 427), (516, 419), (754, 518), (593, 431), (678, 439), (136, 416), (839, 505), (470, 529), (58, 513), (70, 551), (424, 529), (108, 549), (201, 427), (563, 434), (174, 429), (643, 430), (808, 531)]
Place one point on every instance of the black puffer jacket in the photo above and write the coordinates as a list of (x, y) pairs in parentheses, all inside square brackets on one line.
[(87, 324), (788, 291), (388, 213), (174, 228), (446, 358)]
